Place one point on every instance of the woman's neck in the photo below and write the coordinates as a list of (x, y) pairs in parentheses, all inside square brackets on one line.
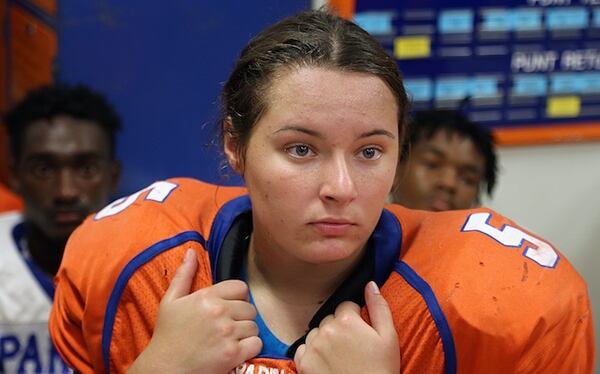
[(288, 292)]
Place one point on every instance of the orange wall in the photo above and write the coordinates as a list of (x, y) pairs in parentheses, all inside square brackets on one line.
[(31, 49)]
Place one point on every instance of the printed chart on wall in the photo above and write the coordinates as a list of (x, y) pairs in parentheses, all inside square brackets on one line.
[(528, 69)]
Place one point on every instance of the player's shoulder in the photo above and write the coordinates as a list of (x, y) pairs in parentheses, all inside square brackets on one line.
[(177, 203), (9, 252), (443, 223), (163, 212), (163, 207), (486, 253), (480, 237), (183, 196), (10, 218), (8, 224), (493, 280)]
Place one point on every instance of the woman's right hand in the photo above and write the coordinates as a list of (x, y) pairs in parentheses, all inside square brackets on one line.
[(211, 330)]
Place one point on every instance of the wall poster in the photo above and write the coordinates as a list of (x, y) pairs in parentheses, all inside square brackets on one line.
[(528, 69)]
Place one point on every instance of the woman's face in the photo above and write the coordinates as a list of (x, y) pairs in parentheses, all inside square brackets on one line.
[(320, 163)]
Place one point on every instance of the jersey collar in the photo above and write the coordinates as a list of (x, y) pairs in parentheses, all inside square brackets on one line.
[(42, 278), (228, 245)]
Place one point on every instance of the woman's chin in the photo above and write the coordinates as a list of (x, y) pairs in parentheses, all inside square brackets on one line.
[(330, 252)]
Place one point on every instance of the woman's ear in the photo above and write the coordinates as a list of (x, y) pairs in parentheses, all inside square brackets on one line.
[(231, 147)]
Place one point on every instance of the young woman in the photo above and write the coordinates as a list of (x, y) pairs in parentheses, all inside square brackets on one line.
[(284, 276)]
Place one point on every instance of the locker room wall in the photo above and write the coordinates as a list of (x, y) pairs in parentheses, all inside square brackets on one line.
[(554, 190), (162, 64)]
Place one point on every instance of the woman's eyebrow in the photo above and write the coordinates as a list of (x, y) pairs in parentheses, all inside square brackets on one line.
[(299, 129), (319, 135), (377, 132)]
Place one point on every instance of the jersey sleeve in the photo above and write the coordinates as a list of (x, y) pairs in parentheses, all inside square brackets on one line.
[(65, 324), (95, 324), (117, 266), (563, 343), (512, 301)]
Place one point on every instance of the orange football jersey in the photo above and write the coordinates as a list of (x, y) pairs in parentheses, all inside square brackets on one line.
[(470, 291)]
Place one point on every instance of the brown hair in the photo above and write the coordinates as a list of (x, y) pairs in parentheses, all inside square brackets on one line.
[(312, 38)]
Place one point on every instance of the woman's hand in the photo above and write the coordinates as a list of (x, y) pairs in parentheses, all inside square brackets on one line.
[(345, 343), (211, 330)]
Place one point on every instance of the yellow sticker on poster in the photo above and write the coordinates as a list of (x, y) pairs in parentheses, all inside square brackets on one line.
[(408, 47), (563, 106)]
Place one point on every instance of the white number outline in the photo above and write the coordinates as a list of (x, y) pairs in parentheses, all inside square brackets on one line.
[(509, 236), (158, 191)]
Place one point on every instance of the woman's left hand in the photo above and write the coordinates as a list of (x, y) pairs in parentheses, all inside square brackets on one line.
[(345, 343)]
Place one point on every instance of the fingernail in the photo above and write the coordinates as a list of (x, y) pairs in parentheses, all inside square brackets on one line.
[(189, 255), (374, 288)]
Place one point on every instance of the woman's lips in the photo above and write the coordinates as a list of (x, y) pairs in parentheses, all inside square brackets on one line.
[(333, 227)]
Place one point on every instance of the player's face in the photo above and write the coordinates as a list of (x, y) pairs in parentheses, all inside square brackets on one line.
[(442, 173), (320, 163), (64, 173)]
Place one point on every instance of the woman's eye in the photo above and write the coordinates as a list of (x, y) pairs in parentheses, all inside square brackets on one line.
[(370, 153), (299, 150)]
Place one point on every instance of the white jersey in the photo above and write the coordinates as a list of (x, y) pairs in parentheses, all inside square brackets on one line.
[(25, 303)]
